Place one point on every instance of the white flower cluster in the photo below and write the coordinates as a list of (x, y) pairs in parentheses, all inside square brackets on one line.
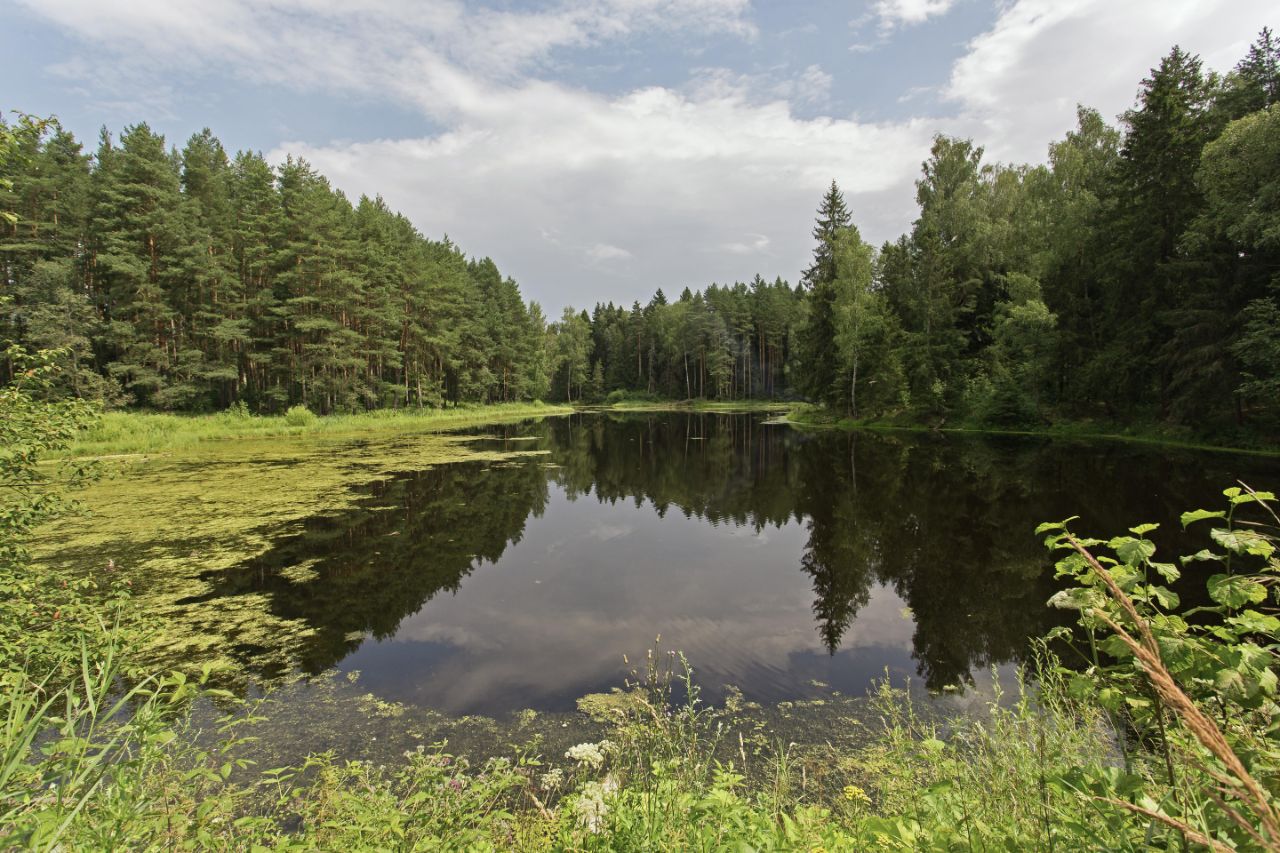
[(551, 779), (590, 804), (589, 754)]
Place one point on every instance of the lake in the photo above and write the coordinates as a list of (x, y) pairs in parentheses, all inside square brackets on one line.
[(786, 563)]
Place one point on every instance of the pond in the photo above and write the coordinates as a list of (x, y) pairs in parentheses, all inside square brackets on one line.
[(782, 562)]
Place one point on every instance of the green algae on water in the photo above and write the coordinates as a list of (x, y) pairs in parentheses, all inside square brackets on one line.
[(175, 525)]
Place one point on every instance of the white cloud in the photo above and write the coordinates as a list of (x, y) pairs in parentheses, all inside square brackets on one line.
[(605, 252), (428, 54), (553, 181), (915, 92), (895, 12), (813, 86), (662, 173), (1019, 83), (753, 244)]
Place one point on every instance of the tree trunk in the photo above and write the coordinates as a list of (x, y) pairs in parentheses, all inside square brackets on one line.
[(853, 390)]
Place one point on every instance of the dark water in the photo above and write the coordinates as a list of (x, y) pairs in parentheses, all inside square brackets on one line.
[(771, 557)]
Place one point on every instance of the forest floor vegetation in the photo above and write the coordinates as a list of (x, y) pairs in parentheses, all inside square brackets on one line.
[(646, 403)]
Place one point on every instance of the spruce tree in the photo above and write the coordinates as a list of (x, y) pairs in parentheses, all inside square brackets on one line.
[(817, 343)]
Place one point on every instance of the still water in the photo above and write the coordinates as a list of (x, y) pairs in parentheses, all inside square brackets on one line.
[(774, 559)]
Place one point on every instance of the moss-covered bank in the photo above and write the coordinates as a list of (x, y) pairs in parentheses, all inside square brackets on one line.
[(119, 433)]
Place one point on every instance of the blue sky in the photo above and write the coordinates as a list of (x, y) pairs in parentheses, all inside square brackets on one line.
[(598, 149)]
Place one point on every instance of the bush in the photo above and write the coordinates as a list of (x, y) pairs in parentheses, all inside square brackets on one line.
[(619, 396), (299, 416)]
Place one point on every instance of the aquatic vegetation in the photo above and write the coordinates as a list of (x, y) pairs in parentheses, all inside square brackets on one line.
[(612, 706), (175, 525)]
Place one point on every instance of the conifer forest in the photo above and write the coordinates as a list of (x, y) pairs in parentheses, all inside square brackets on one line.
[(1131, 277)]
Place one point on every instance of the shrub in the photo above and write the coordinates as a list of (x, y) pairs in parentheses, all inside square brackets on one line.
[(299, 416)]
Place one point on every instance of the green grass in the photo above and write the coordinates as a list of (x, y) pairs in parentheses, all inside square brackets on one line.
[(663, 777), (119, 433)]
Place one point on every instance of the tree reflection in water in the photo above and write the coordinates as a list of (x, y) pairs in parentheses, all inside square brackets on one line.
[(938, 528)]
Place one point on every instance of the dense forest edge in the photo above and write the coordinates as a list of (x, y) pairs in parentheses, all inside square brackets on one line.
[(1130, 281), (1133, 279)]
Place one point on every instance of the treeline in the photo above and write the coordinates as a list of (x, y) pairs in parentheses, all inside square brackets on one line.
[(194, 280), (1136, 275), (724, 342), (1133, 276)]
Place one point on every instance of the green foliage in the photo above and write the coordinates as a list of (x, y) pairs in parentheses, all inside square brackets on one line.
[(44, 617), (1201, 691), (194, 281), (299, 416), (1131, 278)]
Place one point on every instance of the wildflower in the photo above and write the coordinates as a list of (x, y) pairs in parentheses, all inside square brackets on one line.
[(456, 784), (591, 807), (854, 794), (586, 753), (551, 779)]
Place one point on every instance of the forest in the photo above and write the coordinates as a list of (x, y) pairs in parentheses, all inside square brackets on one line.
[(195, 281), (1131, 278)]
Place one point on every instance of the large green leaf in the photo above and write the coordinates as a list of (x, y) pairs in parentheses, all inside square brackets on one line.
[(1236, 590), (1253, 622), (1200, 515), (1132, 551), (1243, 541)]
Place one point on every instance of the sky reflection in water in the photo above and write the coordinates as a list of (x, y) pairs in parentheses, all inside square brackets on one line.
[(771, 558)]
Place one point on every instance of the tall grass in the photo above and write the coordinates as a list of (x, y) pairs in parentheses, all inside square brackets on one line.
[(138, 432)]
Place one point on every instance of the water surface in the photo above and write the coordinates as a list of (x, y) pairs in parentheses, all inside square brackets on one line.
[(781, 562)]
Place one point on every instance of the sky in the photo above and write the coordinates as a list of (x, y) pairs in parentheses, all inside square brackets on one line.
[(600, 149)]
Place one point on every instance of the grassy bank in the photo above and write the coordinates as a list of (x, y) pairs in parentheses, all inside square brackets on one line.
[(141, 432), (635, 402), (805, 415)]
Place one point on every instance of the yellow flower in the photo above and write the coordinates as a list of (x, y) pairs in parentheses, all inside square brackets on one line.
[(853, 793)]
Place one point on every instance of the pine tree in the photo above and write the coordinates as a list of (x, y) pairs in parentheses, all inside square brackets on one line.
[(1156, 199), (248, 325), (817, 343), (1255, 83), (143, 241)]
